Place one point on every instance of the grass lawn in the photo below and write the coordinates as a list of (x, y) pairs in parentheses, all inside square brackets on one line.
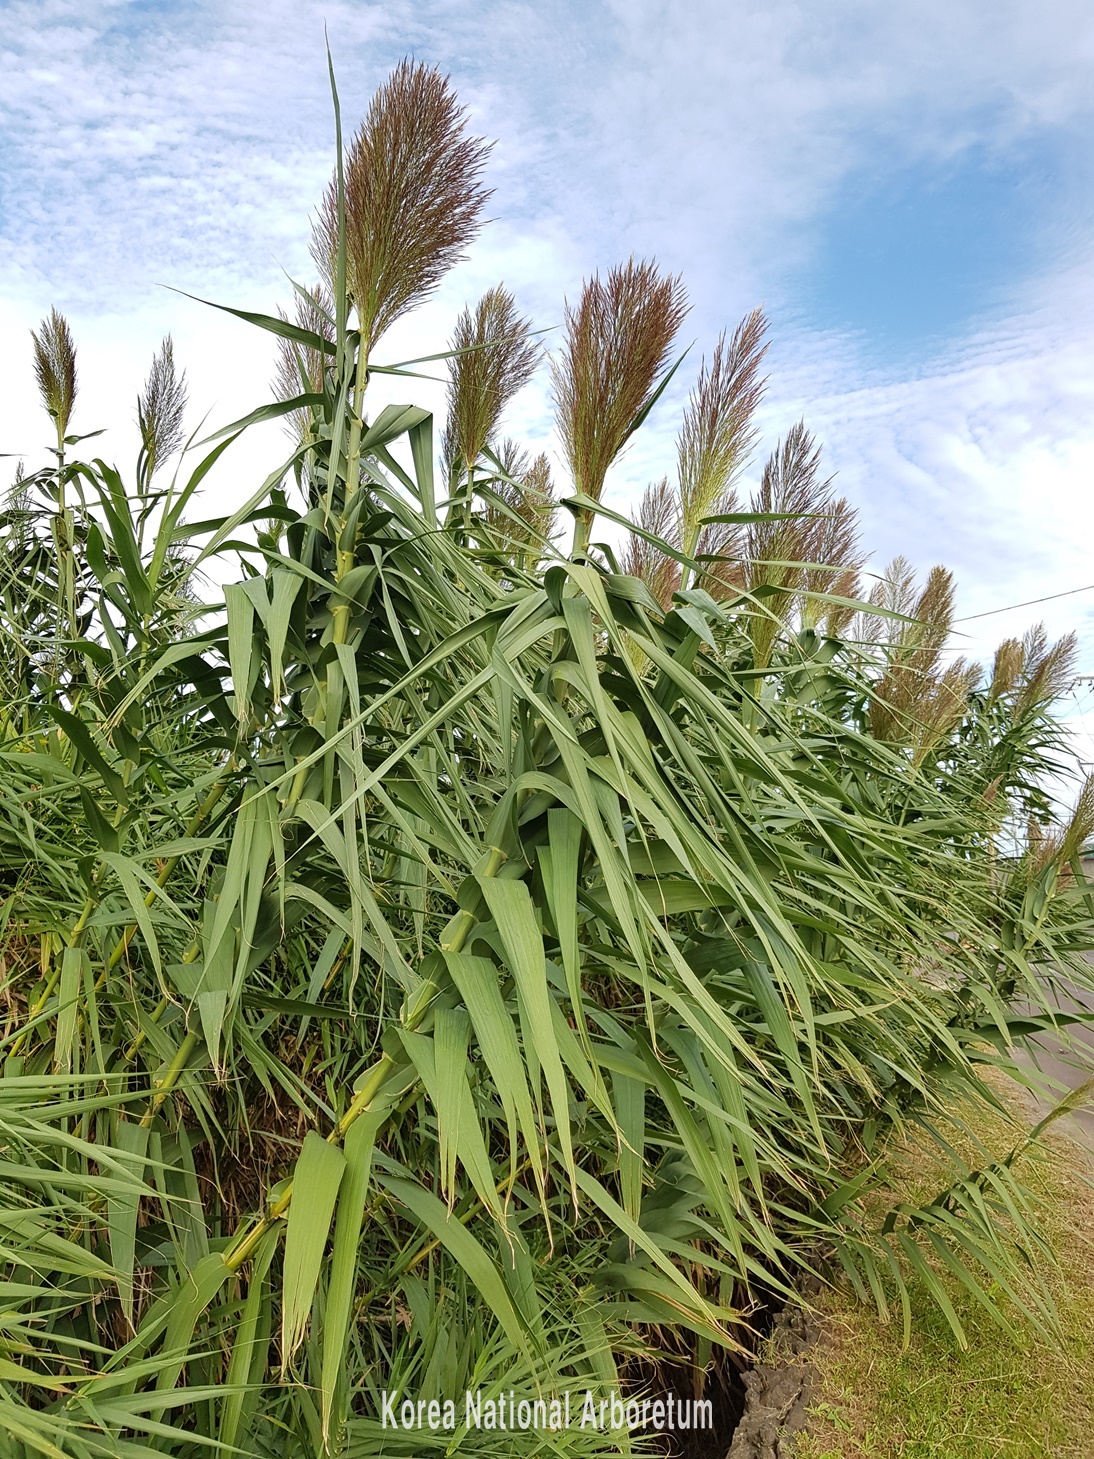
[(1010, 1395)]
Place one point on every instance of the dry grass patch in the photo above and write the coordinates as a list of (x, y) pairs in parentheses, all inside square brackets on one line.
[(1010, 1395)]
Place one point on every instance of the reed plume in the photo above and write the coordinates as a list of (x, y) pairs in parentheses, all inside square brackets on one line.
[(915, 704), (1061, 844), (895, 592), (1047, 669), (776, 551), (1081, 826), (55, 369), (497, 357), (1010, 658), (413, 198), (720, 553), (1031, 671), (300, 368), (940, 703), (834, 561), (615, 355), (523, 521), (161, 407), (717, 434), (658, 514)]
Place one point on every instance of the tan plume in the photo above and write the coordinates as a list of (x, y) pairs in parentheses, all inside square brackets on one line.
[(1081, 826), (1031, 672), (1010, 658), (161, 407), (497, 357), (659, 515), (915, 703), (524, 523), (717, 434), (894, 592), (1062, 844), (941, 702), (834, 560), (300, 367), (55, 369), (776, 551), (413, 198), (720, 552), (614, 357), (1047, 670)]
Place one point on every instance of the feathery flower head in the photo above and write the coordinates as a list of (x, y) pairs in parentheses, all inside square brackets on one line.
[(498, 358), (413, 198), (615, 355), (160, 409), (717, 433), (55, 368)]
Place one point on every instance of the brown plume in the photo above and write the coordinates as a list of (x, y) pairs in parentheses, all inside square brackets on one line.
[(658, 514), (616, 352), (499, 358), (55, 368), (717, 434), (413, 198)]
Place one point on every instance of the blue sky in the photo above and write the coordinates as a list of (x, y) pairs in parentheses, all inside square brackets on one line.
[(912, 253), (907, 188)]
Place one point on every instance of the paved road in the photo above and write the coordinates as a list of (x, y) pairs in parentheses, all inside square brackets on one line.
[(1071, 1067)]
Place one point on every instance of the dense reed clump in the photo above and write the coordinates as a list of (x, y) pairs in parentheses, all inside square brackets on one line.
[(438, 961)]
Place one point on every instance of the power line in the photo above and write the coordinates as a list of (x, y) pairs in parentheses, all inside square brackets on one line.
[(970, 617)]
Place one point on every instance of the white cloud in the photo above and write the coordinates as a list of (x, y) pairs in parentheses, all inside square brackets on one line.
[(984, 462)]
